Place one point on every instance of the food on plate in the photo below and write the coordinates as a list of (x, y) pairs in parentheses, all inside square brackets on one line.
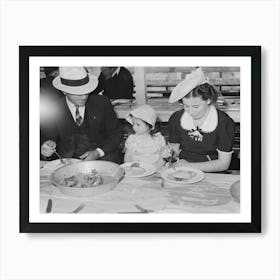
[(134, 169), (181, 175), (83, 180)]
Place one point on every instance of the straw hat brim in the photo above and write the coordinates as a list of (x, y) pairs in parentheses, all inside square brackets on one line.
[(77, 90), (182, 89), (191, 81)]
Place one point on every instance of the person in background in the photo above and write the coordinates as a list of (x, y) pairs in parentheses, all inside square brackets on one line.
[(147, 142), (205, 134), (81, 125), (46, 87), (115, 83)]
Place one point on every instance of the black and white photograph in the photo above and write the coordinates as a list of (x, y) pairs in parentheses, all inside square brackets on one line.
[(122, 140), (139, 140)]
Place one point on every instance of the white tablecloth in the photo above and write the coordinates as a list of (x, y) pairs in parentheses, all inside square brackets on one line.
[(211, 195)]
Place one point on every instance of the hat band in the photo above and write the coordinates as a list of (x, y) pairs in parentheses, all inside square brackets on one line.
[(74, 83)]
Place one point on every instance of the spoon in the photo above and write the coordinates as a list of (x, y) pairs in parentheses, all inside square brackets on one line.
[(60, 158)]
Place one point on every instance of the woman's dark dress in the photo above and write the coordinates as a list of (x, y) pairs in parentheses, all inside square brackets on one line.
[(192, 150)]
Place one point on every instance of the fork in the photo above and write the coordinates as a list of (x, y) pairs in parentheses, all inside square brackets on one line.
[(143, 210), (59, 156), (78, 209)]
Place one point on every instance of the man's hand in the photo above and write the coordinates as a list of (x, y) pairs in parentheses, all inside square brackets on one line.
[(90, 155), (48, 148)]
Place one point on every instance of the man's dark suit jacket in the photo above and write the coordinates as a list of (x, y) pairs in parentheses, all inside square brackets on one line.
[(100, 129), (118, 87)]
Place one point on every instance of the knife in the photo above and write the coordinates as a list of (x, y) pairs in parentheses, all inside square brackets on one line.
[(49, 206)]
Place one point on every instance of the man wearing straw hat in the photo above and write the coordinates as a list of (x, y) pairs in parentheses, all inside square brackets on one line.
[(81, 125)]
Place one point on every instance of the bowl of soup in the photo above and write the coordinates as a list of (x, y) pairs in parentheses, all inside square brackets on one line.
[(87, 178)]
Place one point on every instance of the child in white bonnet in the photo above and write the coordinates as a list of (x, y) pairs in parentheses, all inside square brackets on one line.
[(146, 144)]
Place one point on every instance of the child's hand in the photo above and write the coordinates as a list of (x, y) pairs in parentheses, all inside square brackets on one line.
[(170, 153), (165, 152)]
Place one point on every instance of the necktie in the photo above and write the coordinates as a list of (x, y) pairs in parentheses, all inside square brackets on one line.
[(79, 119)]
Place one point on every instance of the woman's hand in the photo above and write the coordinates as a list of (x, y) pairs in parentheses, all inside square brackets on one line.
[(90, 155), (48, 148), (216, 165)]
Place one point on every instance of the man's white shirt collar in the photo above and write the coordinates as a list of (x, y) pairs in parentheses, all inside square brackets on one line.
[(72, 109)]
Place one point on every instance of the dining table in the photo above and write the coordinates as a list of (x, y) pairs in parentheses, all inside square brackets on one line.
[(144, 195)]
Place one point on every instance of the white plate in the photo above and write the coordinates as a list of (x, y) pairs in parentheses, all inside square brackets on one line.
[(199, 175), (55, 164), (235, 191), (149, 169)]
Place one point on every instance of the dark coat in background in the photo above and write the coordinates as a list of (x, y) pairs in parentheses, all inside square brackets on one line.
[(100, 129), (118, 87), (47, 88)]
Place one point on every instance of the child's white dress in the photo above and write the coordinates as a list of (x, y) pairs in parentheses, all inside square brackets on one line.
[(145, 148)]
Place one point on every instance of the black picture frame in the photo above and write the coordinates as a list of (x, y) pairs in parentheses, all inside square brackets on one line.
[(254, 52)]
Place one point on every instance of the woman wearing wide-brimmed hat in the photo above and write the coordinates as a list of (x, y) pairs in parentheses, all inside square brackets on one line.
[(205, 134), (82, 126)]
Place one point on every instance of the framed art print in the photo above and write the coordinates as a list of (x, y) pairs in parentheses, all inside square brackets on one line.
[(86, 165)]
